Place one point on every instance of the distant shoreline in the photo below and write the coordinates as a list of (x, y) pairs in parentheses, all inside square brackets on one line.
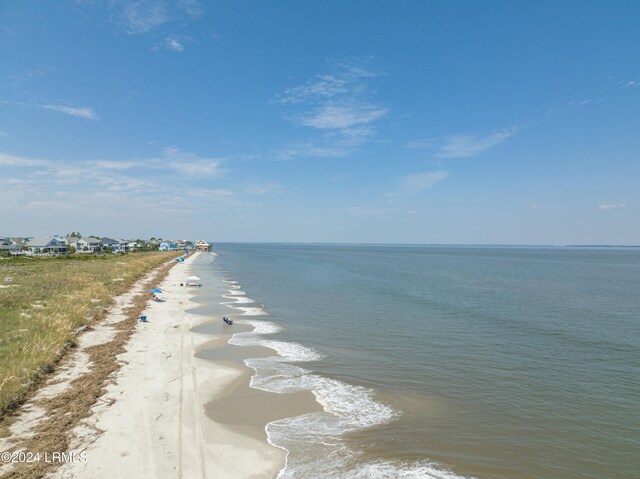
[(438, 245)]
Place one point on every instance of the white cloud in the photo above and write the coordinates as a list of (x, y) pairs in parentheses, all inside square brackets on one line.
[(191, 7), (188, 164), (174, 43), (612, 206), (463, 146), (336, 143), (342, 116), (170, 181), (210, 193), (114, 165), (18, 161), (4, 133), (627, 84), (81, 112), (417, 183), (338, 105), (143, 16), (345, 78)]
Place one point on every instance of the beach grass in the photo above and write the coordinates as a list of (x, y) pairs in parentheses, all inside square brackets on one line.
[(44, 302)]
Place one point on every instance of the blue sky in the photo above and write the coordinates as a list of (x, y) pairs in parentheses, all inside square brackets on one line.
[(360, 121)]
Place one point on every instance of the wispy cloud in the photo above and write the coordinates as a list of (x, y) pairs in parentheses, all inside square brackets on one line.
[(18, 161), (338, 105), (173, 43), (341, 116), (627, 84), (189, 164), (20, 79), (260, 189), (309, 149), (346, 78), (4, 133), (143, 16), (463, 146), (171, 180), (333, 144), (80, 112), (417, 183), (612, 206)]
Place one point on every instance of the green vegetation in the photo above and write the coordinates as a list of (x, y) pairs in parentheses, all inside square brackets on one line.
[(43, 302)]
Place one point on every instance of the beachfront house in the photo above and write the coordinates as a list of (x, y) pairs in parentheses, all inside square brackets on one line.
[(47, 246), (8, 245), (14, 246), (182, 244), (168, 246), (110, 244), (129, 245), (86, 245), (202, 245)]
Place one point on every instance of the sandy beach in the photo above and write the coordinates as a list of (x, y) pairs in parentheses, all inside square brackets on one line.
[(180, 405), (157, 426)]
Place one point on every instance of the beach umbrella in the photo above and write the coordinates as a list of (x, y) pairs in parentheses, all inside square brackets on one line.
[(155, 290)]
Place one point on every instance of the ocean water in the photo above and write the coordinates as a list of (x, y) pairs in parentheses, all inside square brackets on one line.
[(447, 362)]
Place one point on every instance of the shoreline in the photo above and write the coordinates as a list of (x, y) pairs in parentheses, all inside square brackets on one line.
[(153, 418), (155, 424)]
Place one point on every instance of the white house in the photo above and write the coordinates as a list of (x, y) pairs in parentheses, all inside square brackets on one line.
[(86, 245), (47, 246), (202, 245), (112, 243), (7, 244)]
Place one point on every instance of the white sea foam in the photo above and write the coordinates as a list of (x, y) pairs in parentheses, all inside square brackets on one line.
[(260, 328), (315, 442), (419, 470), (237, 299), (250, 311), (236, 292)]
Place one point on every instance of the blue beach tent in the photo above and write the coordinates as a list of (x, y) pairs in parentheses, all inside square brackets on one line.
[(155, 290)]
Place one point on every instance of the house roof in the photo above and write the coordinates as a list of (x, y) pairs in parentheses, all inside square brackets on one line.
[(40, 241)]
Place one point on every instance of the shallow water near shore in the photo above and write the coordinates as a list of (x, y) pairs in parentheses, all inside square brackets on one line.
[(446, 362)]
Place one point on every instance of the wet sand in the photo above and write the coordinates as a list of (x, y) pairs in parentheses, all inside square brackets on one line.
[(247, 410)]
